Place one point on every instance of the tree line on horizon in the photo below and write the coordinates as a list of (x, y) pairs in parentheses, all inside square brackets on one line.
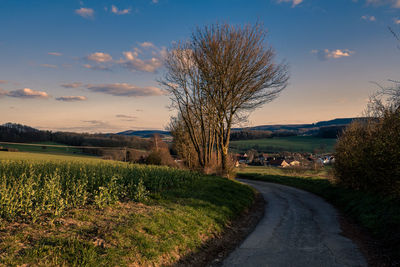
[(12, 132)]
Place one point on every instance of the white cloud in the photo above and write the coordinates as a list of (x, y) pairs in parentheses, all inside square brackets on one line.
[(97, 122), (393, 3), (54, 54), (332, 54), (95, 125), (132, 62), (91, 126), (124, 89), (146, 57), (163, 52), (368, 18), (126, 117), (51, 66), (154, 1), (72, 85), (86, 13), (147, 45), (27, 93), (294, 2), (117, 11), (96, 67), (99, 57), (338, 53), (375, 2), (3, 81), (71, 98)]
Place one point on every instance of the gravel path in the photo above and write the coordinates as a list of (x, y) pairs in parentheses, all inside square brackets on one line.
[(298, 229)]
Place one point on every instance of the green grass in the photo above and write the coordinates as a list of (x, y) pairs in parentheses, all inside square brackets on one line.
[(290, 144), (322, 172), (182, 211), (377, 213), (5, 155), (43, 149)]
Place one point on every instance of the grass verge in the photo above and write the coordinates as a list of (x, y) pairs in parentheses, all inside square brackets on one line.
[(380, 215)]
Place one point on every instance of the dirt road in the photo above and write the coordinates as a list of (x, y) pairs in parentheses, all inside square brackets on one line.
[(298, 229)]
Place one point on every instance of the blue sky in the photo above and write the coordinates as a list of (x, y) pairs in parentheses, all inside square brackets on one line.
[(93, 65)]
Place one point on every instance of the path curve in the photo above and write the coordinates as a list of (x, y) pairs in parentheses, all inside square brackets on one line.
[(298, 229)]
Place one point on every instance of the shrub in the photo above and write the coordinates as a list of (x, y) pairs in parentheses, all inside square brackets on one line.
[(154, 158), (368, 155), (141, 192)]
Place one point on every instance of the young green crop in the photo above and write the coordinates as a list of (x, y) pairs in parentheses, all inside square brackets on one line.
[(29, 189)]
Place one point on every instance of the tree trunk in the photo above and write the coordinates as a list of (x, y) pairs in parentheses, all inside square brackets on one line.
[(224, 160)]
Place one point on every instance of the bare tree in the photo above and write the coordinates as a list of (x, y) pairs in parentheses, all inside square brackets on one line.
[(182, 142), (239, 74), (217, 78), (396, 36), (387, 98), (185, 85)]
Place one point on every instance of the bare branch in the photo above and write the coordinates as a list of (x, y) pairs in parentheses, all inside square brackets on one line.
[(218, 78)]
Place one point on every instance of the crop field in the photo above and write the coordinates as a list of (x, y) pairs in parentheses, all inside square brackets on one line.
[(290, 144), (76, 211), (30, 189)]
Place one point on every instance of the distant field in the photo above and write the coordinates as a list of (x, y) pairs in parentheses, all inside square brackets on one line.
[(290, 144), (43, 149), (325, 172), (4, 155)]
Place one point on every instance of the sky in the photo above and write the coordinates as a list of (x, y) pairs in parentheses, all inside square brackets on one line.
[(93, 66)]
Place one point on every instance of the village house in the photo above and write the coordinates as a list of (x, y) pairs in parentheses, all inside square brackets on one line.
[(267, 159), (326, 160), (279, 163), (242, 158), (294, 163)]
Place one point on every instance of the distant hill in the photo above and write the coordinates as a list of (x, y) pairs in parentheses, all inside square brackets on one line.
[(302, 129), (19, 127), (13, 132), (277, 130), (343, 121), (144, 133)]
